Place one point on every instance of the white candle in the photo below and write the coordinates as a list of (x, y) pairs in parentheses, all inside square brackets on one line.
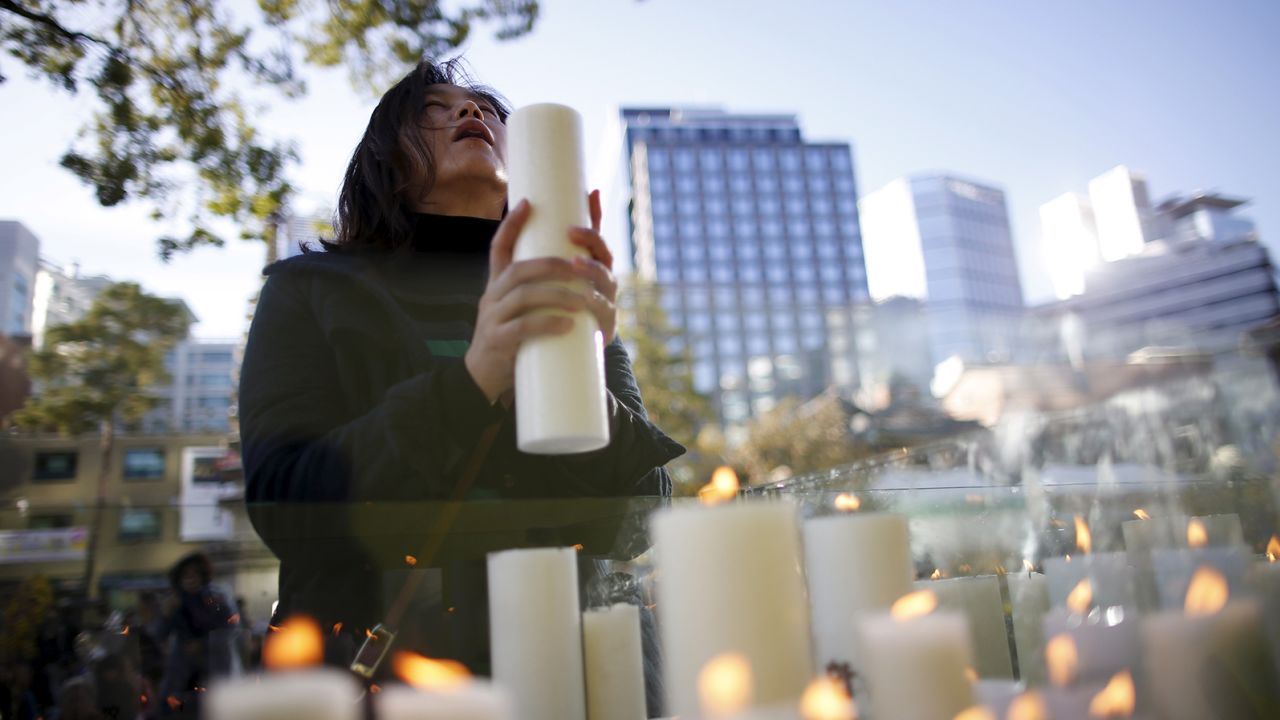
[(560, 391), (997, 695), (614, 662), (979, 599), (855, 563), (1029, 601), (918, 667), (536, 632), (1141, 537), (1102, 648), (1109, 575), (318, 694), (1174, 570), (1265, 580), (729, 580), (1209, 666), (473, 700)]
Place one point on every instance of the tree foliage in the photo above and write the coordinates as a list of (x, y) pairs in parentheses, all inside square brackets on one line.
[(168, 79), (665, 376), (795, 438), (100, 368)]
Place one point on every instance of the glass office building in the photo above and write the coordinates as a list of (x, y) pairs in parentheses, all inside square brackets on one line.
[(946, 240), (752, 237)]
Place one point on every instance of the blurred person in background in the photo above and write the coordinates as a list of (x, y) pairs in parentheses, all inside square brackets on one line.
[(201, 625)]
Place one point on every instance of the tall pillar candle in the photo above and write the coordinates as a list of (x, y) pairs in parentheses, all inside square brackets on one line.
[(730, 580), (1029, 601), (1175, 568), (919, 666), (319, 693), (855, 563), (560, 391), (980, 601), (614, 662), (1102, 648), (1143, 536), (535, 632), (1210, 666)]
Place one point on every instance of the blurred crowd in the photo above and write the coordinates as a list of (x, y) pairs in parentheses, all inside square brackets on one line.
[(153, 660)]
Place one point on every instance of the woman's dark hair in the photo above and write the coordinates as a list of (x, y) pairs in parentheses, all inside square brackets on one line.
[(197, 561), (392, 166)]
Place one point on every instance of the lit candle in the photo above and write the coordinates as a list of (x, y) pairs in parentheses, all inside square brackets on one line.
[(560, 390), (1209, 659), (1102, 648), (1108, 573), (1174, 568), (921, 658), (1029, 601), (439, 690), (1141, 537), (978, 598), (614, 662), (536, 632), (1265, 580), (855, 563), (730, 580), (296, 687)]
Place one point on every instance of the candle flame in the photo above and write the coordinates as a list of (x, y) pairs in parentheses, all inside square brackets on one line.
[(1028, 706), (296, 644), (724, 685), (971, 675), (912, 605), (1207, 593), (847, 502), (1084, 539), (125, 631), (1197, 533), (723, 487), (1028, 565), (410, 560), (977, 712), (1273, 549), (429, 674), (826, 699), (1141, 514), (1116, 700), (1080, 599), (1061, 659), (337, 628), (937, 573)]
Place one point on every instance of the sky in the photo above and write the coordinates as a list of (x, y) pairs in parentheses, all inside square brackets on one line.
[(1034, 97)]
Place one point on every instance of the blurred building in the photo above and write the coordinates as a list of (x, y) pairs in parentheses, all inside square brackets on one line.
[(892, 344), (1122, 212), (1069, 242), (199, 398), (752, 235), (19, 262), (1191, 295), (168, 496), (62, 297), (946, 241), (304, 231), (1204, 217)]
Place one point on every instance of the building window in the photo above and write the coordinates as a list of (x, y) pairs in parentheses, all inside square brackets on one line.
[(139, 525), (710, 159), (762, 159), (687, 185), (815, 158), (215, 357), (789, 159), (658, 159), (684, 159), (143, 463), (55, 465)]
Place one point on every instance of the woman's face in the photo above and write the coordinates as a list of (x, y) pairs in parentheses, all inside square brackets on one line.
[(469, 144)]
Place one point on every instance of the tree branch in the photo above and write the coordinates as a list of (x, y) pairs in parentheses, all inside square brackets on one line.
[(50, 22)]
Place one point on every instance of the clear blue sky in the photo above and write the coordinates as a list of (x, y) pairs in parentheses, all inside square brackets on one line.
[(1034, 96)]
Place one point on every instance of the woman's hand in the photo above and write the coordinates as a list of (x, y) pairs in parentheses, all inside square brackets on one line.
[(506, 316)]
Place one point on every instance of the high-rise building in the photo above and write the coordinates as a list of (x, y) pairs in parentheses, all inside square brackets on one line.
[(1122, 212), (62, 297), (752, 236), (1069, 240), (19, 262), (946, 240), (198, 398)]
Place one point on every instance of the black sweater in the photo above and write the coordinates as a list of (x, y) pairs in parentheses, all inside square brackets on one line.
[(358, 418)]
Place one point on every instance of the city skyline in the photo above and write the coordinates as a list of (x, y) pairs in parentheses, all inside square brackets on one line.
[(1022, 117)]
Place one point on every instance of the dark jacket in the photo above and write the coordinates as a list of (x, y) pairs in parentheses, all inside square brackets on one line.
[(357, 425)]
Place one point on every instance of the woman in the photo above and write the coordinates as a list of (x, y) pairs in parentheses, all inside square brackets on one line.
[(381, 372), (200, 624)]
